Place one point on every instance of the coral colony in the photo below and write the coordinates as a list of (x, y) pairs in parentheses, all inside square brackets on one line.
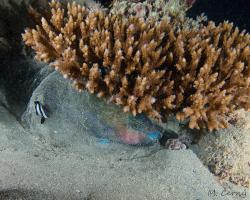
[(157, 67), (151, 8)]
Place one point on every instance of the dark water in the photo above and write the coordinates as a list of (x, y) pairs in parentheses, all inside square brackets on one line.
[(236, 11)]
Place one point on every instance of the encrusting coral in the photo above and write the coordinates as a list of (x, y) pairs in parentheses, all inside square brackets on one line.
[(151, 8), (153, 67)]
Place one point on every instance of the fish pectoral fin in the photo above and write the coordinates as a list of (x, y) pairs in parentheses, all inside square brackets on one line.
[(42, 120)]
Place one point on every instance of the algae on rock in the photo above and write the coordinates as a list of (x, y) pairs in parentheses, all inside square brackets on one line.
[(227, 152), (151, 9)]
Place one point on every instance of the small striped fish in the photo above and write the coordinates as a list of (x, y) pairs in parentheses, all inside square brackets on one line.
[(40, 111)]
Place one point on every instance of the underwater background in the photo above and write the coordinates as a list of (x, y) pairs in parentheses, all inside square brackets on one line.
[(83, 151), (236, 11)]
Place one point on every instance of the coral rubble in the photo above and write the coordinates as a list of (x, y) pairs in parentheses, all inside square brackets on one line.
[(149, 66)]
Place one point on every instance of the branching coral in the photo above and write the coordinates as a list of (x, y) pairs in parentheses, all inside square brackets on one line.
[(154, 67)]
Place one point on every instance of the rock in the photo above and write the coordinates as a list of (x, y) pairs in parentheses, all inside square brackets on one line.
[(18, 78), (227, 152)]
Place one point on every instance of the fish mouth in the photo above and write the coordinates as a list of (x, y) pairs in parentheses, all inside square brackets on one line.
[(166, 135)]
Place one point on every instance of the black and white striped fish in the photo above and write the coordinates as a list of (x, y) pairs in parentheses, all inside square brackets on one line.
[(40, 110)]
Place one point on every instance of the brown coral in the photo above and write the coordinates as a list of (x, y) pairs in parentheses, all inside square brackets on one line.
[(154, 67)]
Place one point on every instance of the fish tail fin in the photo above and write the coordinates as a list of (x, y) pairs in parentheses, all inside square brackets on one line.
[(42, 120)]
